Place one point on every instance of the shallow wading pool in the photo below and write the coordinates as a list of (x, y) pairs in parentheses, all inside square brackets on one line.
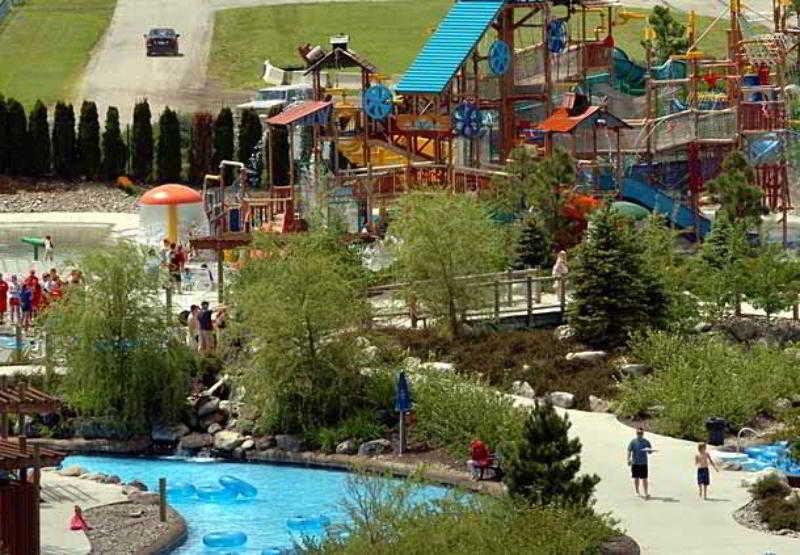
[(283, 492)]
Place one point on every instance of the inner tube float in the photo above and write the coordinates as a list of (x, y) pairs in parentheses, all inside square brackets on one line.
[(225, 539), (272, 551), (182, 490), (236, 485), (214, 494), (302, 523)]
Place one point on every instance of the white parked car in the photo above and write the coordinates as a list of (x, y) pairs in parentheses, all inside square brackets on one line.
[(283, 96)]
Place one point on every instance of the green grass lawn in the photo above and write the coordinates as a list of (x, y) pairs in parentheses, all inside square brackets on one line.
[(45, 45), (389, 34)]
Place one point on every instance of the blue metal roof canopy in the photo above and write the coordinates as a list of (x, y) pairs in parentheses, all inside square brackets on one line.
[(448, 48)]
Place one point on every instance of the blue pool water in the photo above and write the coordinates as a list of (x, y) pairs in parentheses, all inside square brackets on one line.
[(283, 492), (770, 456)]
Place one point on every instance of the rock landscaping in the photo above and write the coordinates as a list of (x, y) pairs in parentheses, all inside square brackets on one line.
[(135, 528), (56, 196)]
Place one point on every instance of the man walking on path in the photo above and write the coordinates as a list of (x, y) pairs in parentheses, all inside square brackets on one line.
[(206, 328), (638, 449)]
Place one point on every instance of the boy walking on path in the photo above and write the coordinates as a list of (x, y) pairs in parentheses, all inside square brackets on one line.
[(702, 460), (638, 449)]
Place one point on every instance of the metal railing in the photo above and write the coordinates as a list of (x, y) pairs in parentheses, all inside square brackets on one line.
[(514, 293)]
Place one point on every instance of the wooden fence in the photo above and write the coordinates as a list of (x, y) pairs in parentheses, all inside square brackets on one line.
[(514, 293)]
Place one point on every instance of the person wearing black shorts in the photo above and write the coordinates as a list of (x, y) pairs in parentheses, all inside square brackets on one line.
[(638, 449)]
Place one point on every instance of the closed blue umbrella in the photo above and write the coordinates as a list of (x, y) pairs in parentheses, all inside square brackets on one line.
[(402, 404)]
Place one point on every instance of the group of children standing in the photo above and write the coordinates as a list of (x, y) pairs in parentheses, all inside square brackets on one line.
[(24, 298)]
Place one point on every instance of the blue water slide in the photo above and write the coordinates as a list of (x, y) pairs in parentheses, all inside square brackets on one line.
[(635, 190), (764, 150)]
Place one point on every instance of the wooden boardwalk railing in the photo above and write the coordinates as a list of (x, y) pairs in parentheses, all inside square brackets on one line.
[(514, 293)]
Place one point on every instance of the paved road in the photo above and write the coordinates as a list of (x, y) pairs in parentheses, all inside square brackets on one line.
[(119, 73), (674, 521)]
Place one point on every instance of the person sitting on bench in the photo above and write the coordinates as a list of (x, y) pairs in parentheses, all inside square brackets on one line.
[(481, 460)]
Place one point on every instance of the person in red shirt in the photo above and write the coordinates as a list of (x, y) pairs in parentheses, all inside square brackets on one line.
[(479, 458), (3, 299)]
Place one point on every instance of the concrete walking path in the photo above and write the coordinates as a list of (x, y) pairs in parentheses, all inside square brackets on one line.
[(60, 494), (674, 520)]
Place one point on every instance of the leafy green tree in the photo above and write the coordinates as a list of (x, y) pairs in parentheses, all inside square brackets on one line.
[(670, 35), (18, 139), (442, 238), (773, 282), (223, 137), (736, 191), (615, 292), (39, 133), (64, 150), (719, 278), (89, 141), (249, 135), (169, 147), (294, 304), (142, 160), (543, 187), (660, 255), (115, 152), (4, 144), (123, 358), (543, 467), (533, 248), (202, 147)]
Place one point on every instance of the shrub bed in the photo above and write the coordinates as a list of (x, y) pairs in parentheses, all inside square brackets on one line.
[(777, 506), (500, 358), (696, 378)]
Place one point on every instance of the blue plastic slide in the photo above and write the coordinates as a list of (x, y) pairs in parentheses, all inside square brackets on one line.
[(652, 198)]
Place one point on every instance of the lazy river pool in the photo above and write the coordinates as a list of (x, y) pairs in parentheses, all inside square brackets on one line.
[(283, 492)]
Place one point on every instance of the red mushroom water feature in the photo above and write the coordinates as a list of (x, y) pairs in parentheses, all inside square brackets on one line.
[(171, 196)]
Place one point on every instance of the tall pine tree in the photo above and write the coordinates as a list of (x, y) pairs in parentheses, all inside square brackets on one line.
[(202, 148), (615, 292), (249, 135), (223, 137), (169, 147), (670, 35), (115, 152), (64, 149), (89, 141), (39, 132), (18, 140), (142, 163), (4, 146), (543, 466), (534, 248)]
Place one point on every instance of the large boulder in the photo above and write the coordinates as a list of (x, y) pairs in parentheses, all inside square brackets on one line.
[(564, 333), (287, 442), (214, 428), (196, 441), (165, 433), (247, 444), (619, 545), (347, 447), (265, 442), (137, 485), (443, 367), (523, 389), (634, 370), (112, 479), (73, 471), (597, 404), (374, 447), (227, 440), (207, 407), (217, 417), (562, 399), (587, 356)]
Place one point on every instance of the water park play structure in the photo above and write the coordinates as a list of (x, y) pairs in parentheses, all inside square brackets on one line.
[(541, 74)]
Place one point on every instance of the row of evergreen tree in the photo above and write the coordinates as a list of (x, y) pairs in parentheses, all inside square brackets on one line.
[(29, 147)]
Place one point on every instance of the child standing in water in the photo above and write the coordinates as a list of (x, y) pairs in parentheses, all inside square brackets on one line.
[(702, 460)]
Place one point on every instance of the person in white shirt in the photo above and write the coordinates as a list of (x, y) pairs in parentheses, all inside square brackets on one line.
[(48, 249)]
